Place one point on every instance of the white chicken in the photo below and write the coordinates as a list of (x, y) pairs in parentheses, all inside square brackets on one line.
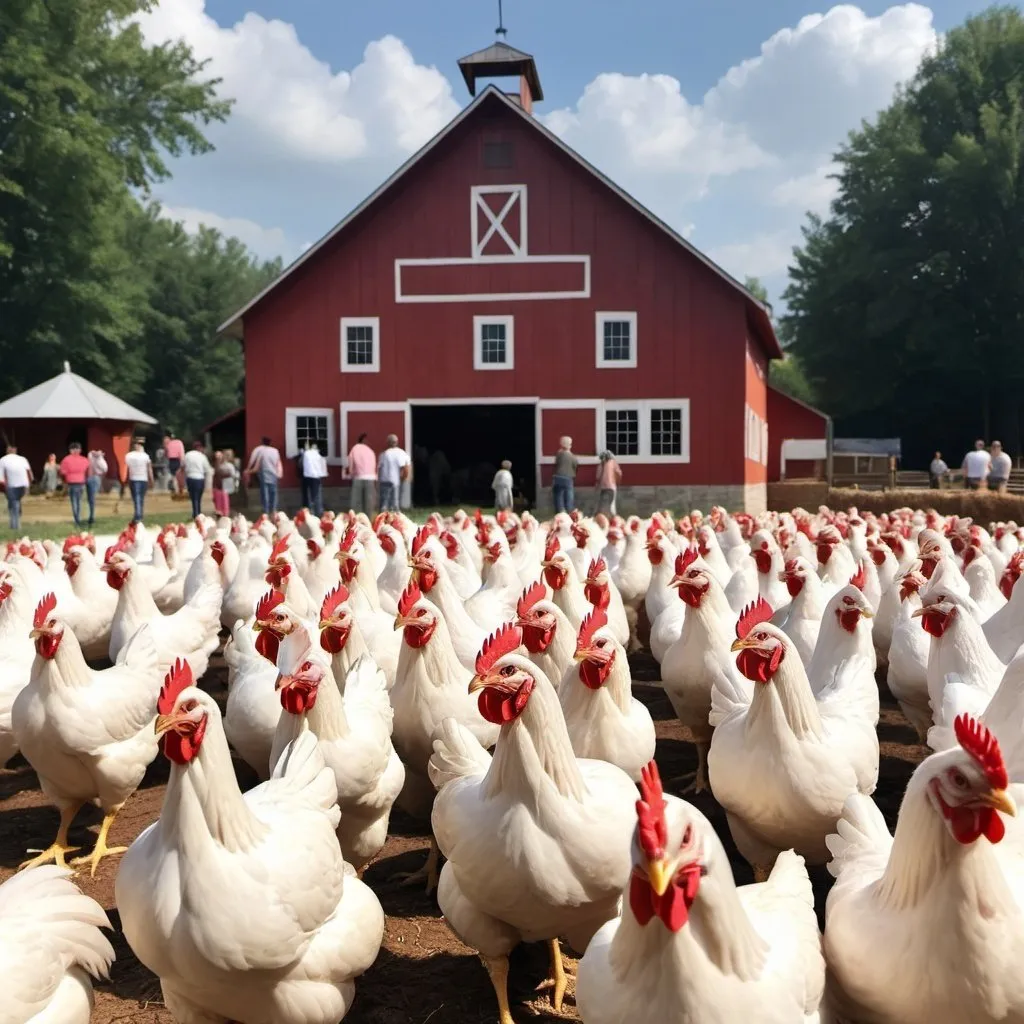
[(241, 903), (691, 947), (352, 720), (802, 621), (17, 652), (51, 948), (88, 734), (549, 640), (943, 892), (534, 837), (907, 674), (601, 593)]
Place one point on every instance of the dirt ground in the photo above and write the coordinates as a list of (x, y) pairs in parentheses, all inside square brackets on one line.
[(422, 974)]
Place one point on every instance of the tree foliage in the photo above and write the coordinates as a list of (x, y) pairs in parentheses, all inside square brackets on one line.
[(904, 305), (89, 116), (786, 375)]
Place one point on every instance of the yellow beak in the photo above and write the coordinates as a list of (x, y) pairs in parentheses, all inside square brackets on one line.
[(579, 656), (477, 683), (867, 613), (659, 876), (164, 723), (1000, 800), (918, 612), (741, 643), (36, 633)]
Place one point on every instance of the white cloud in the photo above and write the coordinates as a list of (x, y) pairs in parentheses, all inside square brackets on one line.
[(737, 167), (265, 242)]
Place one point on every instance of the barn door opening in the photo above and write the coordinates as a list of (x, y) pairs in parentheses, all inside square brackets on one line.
[(457, 449)]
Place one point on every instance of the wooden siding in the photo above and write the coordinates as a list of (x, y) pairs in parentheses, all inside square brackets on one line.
[(691, 333)]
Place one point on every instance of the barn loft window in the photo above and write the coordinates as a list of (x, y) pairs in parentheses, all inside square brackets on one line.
[(360, 344), (622, 431), (497, 154), (666, 431), (616, 339), (305, 426), (654, 430), (493, 342)]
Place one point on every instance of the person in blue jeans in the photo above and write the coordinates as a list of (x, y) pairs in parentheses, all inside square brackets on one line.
[(94, 481), (563, 479), (15, 475), (140, 475), (265, 461)]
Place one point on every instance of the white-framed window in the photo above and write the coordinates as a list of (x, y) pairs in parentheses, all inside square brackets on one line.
[(654, 430), (302, 426), (493, 342), (764, 442), (756, 437), (616, 340), (360, 344)]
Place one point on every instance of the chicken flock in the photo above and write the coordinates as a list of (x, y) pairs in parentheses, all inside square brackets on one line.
[(473, 672)]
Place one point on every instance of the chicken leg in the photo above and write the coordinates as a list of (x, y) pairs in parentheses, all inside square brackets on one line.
[(101, 850), (430, 871), (559, 979), (696, 782), (497, 971), (58, 849)]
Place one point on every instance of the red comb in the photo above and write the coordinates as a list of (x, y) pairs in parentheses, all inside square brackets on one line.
[(337, 596), (531, 595), (859, 578), (754, 614), (280, 547), (410, 596), (313, 548), (479, 517), (653, 530), (267, 603), (349, 539), (976, 739), (650, 812), (43, 609), (178, 679), (597, 566), (686, 559), (551, 548), (506, 640), (590, 625), (421, 538)]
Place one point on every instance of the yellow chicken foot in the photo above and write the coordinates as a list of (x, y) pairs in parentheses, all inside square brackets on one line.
[(761, 872), (559, 980), (59, 849), (497, 971), (430, 871), (696, 782), (101, 850)]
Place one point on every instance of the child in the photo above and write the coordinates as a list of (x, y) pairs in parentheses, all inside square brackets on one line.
[(502, 487)]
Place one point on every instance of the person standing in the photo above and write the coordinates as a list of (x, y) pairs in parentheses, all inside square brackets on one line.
[(139, 468), (50, 476), (197, 467), (265, 461), (314, 469), (361, 466), (563, 480), (94, 481), (15, 475), (392, 471), (300, 472), (174, 449), (999, 473), (224, 473), (502, 487), (976, 467), (74, 468), (937, 472), (609, 473)]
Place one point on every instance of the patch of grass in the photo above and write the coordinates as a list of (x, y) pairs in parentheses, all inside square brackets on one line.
[(103, 525)]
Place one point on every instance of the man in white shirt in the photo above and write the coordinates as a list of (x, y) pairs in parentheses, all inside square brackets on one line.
[(392, 470), (265, 461), (197, 468), (314, 469), (976, 467), (999, 473), (15, 475), (140, 475)]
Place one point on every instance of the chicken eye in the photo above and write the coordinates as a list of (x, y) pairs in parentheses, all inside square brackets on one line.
[(847, 600), (958, 779), (688, 835), (306, 666), (508, 670)]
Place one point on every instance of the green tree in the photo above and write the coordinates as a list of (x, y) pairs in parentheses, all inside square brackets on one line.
[(87, 113), (904, 306)]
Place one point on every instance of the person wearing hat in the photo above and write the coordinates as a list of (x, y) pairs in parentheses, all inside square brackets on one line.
[(609, 473), (502, 487)]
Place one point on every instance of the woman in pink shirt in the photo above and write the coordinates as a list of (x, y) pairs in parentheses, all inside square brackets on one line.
[(362, 468), (608, 476), (74, 468)]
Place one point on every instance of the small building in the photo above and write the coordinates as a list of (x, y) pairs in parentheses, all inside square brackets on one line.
[(799, 439), (496, 293), (49, 417)]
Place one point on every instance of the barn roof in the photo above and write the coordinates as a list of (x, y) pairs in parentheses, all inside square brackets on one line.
[(798, 401), (70, 397), (758, 312), (500, 59)]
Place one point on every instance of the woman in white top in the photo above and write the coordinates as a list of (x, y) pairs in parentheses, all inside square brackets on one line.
[(502, 487), (197, 468), (139, 469), (15, 475)]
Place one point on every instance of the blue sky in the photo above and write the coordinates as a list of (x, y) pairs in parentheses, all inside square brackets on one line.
[(721, 116)]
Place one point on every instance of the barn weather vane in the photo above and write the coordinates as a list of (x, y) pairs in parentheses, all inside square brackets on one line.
[(500, 30)]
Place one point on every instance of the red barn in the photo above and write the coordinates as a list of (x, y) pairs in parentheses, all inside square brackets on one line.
[(497, 292), (799, 438)]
